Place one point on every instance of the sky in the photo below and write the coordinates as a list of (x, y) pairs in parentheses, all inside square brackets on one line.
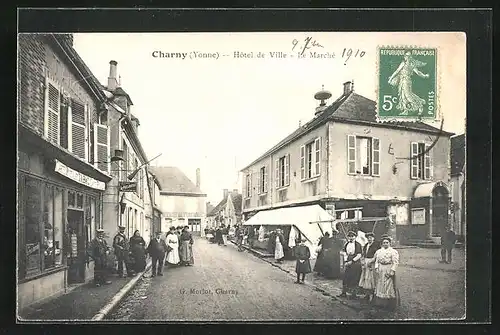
[(220, 113)]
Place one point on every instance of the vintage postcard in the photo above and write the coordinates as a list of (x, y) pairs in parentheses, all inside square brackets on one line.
[(271, 176)]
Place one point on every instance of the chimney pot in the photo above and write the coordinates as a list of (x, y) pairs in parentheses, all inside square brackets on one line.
[(112, 80), (348, 87)]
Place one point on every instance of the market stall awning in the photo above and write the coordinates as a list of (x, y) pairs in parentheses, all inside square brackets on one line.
[(425, 190), (300, 217)]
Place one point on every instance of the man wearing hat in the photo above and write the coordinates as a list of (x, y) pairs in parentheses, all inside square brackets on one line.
[(120, 246), (367, 280), (157, 249), (352, 273), (98, 251)]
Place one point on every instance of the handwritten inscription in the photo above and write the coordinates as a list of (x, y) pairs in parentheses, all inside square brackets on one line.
[(306, 48)]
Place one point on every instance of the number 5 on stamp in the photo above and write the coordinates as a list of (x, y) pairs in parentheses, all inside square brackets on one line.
[(407, 83)]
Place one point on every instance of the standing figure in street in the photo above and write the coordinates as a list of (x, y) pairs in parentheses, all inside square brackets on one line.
[(251, 236), (386, 263), (303, 265), (352, 271), (186, 249), (157, 249), (225, 231), (367, 280), (278, 246), (218, 236), (173, 249), (120, 246), (448, 240), (99, 251), (138, 250), (323, 243), (239, 237)]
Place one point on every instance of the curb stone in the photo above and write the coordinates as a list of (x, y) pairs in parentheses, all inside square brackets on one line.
[(118, 297)]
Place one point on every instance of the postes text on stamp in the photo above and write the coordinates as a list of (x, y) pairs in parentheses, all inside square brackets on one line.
[(407, 84)]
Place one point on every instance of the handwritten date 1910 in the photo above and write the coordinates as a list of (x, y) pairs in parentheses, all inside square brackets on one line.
[(308, 43), (348, 53)]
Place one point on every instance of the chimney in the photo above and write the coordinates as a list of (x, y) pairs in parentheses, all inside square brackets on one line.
[(198, 179), (226, 193), (112, 81), (348, 87)]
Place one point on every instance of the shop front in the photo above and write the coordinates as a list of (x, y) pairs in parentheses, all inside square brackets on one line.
[(59, 210)]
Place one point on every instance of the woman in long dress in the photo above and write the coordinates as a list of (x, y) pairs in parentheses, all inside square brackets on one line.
[(401, 79), (386, 263), (320, 262), (172, 241), (367, 280), (279, 241), (186, 249), (138, 250)]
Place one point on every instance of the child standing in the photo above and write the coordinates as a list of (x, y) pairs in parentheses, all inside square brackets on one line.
[(303, 265)]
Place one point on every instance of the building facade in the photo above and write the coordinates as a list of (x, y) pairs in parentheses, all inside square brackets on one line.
[(227, 211), (358, 168), (182, 203), (60, 188), (457, 185), (127, 195)]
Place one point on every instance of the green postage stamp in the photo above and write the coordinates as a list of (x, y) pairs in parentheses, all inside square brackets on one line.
[(407, 84)]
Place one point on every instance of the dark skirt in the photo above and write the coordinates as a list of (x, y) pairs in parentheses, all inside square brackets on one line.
[(351, 275), (320, 263), (304, 267), (331, 264), (139, 258)]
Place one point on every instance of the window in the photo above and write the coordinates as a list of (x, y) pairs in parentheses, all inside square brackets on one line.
[(32, 218), (125, 163), (421, 164), (101, 147), (282, 173), (363, 155), (248, 189), (52, 109), (263, 180), (78, 136), (310, 159)]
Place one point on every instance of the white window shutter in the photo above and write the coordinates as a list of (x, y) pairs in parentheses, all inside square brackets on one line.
[(317, 156), (101, 147), (375, 156), (427, 162), (351, 154), (303, 162), (245, 187), (259, 176), (414, 160), (277, 173), (265, 179), (287, 170), (52, 111), (78, 130)]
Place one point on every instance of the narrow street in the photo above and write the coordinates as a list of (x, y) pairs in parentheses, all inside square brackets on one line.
[(225, 284)]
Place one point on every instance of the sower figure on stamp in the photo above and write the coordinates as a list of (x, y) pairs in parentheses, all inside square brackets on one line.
[(120, 245), (98, 251), (448, 239), (352, 272), (157, 249)]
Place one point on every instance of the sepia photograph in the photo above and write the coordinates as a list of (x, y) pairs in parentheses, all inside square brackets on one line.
[(241, 176)]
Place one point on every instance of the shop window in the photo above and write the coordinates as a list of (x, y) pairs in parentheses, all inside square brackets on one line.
[(52, 227), (58, 226), (32, 217)]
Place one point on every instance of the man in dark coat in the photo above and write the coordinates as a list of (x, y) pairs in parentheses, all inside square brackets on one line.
[(352, 271), (157, 249), (120, 245), (218, 235), (98, 251), (303, 265), (448, 240)]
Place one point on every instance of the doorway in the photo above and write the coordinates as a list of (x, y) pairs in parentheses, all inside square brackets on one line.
[(440, 206), (77, 238), (195, 226)]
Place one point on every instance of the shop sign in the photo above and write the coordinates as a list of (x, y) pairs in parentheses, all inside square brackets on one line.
[(183, 214), (128, 186), (418, 216), (79, 177)]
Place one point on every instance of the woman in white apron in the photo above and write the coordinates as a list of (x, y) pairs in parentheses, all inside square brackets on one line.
[(172, 241)]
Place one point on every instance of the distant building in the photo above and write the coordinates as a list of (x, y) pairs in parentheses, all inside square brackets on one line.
[(457, 184), (228, 210), (357, 168), (182, 202)]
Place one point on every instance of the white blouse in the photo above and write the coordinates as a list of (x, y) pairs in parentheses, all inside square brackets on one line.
[(387, 256)]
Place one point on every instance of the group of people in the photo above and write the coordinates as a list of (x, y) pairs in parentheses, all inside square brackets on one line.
[(371, 270), (130, 254)]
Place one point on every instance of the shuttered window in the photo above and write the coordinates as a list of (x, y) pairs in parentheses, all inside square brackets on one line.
[(427, 162), (414, 160), (52, 107), (351, 154), (421, 162), (303, 162), (277, 168), (78, 132), (101, 147), (287, 170), (317, 156), (375, 157)]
